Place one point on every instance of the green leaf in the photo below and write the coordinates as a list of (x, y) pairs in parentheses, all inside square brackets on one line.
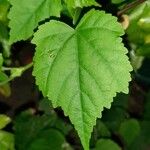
[(33, 125), (76, 14), (133, 28), (46, 106), (5, 90), (1, 61), (102, 130), (118, 112), (4, 85), (121, 100), (40, 131), (129, 130), (80, 3), (6, 141), (4, 7), (145, 130), (142, 142), (147, 107), (140, 23), (48, 140), (117, 1), (4, 120), (3, 1), (144, 19), (99, 131), (78, 70), (113, 117), (3, 32), (30, 13), (143, 50), (3, 76), (74, 7), (106, 144)]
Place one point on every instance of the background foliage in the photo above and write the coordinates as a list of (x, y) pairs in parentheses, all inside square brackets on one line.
[(28, 121)]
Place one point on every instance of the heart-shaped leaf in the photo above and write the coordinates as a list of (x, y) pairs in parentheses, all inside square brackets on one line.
[(81, 69)]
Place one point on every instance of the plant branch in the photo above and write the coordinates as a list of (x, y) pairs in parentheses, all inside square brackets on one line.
[(130, 6), (24, 67), (15, 72)]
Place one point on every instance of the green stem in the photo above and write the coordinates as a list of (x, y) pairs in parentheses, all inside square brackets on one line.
[(23, 69), (28, 66), (6, 81)]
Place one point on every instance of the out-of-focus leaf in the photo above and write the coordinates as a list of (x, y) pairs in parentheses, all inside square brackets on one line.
[(113, 117), (142, 142), (121, 100), (117, 1), (140, 24), (4, 88), (136, 60), (38, 129), (143, 73), (143, 50), (63, 126), (48, 140), (76, 15), (46, 106), (122, 1), (6, 141), (28, 127), (102, 130), (145, 126), (129, 130), (147, 108), (3, 76), (106, 144), (135, 27), (1, 61), (3, 31), (4, 7), (4, 120), (144, 20)]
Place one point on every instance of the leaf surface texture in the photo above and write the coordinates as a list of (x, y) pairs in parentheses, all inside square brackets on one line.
[(81, 69)]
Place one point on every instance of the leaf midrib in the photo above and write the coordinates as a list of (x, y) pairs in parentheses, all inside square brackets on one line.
[(79, 85)]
